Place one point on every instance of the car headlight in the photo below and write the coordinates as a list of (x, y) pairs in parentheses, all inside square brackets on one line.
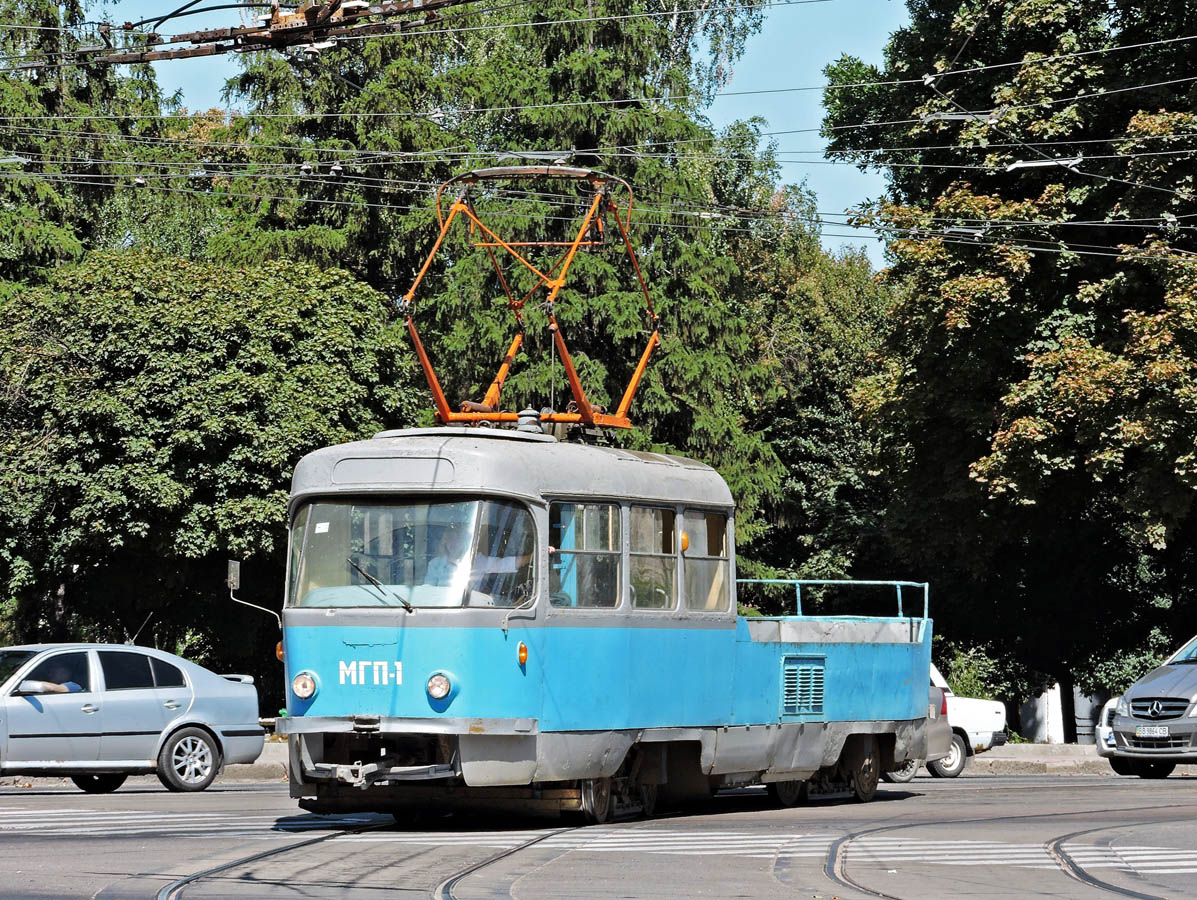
[(1193, 711), (439, 686), (1123, 708), (304, 685)]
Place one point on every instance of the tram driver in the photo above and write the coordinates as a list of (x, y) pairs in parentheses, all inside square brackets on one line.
[(485, 572)]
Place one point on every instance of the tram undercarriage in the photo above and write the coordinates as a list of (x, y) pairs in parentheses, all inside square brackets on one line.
[(593, 775)]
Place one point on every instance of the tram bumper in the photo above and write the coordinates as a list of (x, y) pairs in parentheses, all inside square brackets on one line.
[(364, 724), (364, 751)]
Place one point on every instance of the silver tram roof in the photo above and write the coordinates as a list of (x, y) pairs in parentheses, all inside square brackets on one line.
[(503, 462)]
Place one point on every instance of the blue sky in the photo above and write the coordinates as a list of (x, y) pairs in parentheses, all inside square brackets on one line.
[(790, 51)]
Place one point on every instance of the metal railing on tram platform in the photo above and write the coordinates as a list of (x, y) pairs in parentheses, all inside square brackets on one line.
[(799, 583)]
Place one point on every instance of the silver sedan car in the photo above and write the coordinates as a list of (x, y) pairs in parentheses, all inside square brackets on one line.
[(101, 712)]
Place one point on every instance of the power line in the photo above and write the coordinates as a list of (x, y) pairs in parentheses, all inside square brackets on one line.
[(265, 39), (418, 156), (204, 168), (1100, 250), (1073, 168)]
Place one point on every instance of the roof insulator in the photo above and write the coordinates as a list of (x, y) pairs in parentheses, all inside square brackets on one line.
[(1069, 163)]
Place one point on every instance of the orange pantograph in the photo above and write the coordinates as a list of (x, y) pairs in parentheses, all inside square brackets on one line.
[(603, 206)]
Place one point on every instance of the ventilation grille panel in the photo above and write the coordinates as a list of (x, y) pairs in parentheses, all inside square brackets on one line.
[(802, 686)]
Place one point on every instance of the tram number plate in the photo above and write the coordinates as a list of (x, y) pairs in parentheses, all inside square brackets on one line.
[(1151, 731)]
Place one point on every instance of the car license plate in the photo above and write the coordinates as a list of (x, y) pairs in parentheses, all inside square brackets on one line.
[(1151, 731)]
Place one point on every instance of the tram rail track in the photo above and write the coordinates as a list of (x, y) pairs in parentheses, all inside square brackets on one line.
[(174, 890), (835, 864), (1071, 867), (444, 890)]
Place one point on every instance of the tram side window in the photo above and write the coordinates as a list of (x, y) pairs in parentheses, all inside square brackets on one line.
[(706, 561), (653, 558), (587, 545)]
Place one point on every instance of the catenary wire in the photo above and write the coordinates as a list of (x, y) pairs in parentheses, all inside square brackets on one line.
[(193, 169), (1106, 250)]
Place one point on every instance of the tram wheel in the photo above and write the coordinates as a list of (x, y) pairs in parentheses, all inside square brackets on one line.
[(865, 769), (787, 793), (596, 800)]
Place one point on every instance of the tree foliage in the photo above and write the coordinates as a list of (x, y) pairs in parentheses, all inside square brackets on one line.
[(152, 415), (1036, 402), (46, 218), (557, 82), (218, 296)]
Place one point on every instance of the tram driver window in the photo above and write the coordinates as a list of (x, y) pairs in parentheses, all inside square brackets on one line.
[(653, 558), (425, 552), (706, 573), (584, 565)]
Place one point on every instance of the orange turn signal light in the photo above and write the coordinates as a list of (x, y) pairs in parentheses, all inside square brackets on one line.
[(523, 653), (278, 651)]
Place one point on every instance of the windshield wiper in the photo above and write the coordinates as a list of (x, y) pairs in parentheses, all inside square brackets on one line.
[(378, 584)]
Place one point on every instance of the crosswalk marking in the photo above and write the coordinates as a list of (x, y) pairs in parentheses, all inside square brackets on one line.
[(878, 850), (104, 823), (1134, 859)]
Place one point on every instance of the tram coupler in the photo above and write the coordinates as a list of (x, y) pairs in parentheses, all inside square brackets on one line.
[(363, 775)]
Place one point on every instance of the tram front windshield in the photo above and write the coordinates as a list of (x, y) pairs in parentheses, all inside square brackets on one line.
[(422, 553)]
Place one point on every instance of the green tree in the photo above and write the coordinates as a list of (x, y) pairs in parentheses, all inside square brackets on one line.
[(51, 195), (1035, 396), (558, 81), (819, 322), (152, 415)]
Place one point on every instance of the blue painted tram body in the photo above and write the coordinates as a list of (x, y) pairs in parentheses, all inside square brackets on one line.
[(574, 608)]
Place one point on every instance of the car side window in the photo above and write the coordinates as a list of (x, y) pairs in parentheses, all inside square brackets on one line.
[(165, 674), (124, 671), (68, 669)]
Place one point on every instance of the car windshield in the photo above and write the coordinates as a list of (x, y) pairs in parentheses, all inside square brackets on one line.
[(11, 660), (1186, 654), (426, 553)]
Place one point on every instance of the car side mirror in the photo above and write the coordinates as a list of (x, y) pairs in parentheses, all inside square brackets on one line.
[(29, 687)]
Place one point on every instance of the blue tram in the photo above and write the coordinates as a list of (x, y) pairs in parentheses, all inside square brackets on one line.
[(480, 615)]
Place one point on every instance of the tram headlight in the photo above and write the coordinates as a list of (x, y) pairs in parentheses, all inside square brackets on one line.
[(439, 686), (304, 685)]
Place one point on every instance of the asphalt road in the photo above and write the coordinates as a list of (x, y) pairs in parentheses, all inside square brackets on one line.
[(1030, 836)]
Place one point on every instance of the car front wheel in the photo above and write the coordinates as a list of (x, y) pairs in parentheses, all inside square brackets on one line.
[(1146, 768), (99, 782), (188, 760), (952, 764), (903, 774), (1122, 766)]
